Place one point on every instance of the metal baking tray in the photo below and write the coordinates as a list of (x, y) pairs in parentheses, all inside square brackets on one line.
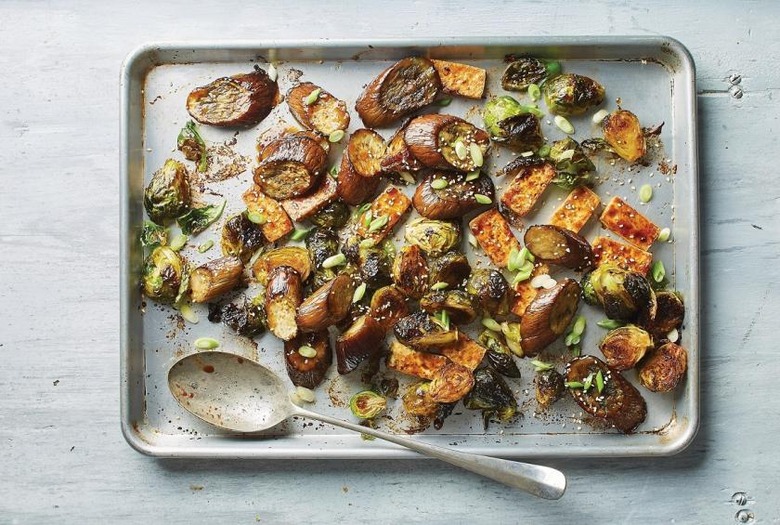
[(652, 76)]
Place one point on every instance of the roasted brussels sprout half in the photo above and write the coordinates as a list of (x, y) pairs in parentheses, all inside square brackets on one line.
[(664, 368), (322, 243), (388, 306), (452, 268), (550, 387), (196, 220), (164, 274), (421, 332), (624, 347), (192, 146), (334, 215), (417, 401), (623, 133), (240, 100), (571, 94), (548, 315), (498, 354), (513, 124), (245, 317), (433, 237), (374, 266), (168, 194), (410, 271), (524, 71), (367, 404), (241, 237), (572, 167), (491, 395), (456, 303), (491, 291), (153, 235), (669, 315), (451, 382), (623, 295)]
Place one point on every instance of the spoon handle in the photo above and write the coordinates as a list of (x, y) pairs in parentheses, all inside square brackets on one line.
[(544, 482)]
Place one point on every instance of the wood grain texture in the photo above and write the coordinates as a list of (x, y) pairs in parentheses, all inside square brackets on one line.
[(62, 455)]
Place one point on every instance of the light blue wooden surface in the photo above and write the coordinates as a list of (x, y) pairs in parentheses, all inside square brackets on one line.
[(62, 457)]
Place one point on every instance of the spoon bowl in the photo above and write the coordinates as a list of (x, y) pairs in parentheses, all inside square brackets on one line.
[(238, 394)]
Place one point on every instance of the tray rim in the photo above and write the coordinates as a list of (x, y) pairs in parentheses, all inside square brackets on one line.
[(145, 52)]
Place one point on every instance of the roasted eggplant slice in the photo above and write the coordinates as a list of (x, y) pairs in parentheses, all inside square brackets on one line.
[(282, 297), (623, 133), (456, 303), (239, 100), (398, 158), (291, 166), (352, 187), (406, 86), (293, 256), (556, 245), (490, 290), (454, 196), (616, 401), (359, 342), (433, 237), (328, 305), (322, 112), (452, 268), (388, 306), (308, 358), (498, 354), (446, 142), (366, 149), (451, 383), (624, 347), (421, 332), (664, 368), (215, 278), (241, 237), (550, 387), (547, 317), (491, 395), (410, 271)]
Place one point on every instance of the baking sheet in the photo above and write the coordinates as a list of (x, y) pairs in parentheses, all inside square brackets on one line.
[(652, 76)]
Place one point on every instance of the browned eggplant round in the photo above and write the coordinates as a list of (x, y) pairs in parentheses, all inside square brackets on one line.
[(397, 157), (359, 342), (410, 271), (452, 268), (548, 315), (625, 346), (365, 150), (241, 237), (549, 387), (240, 100), (556, 245), (291, 166), (406, 86), (664, 368), (491, 290), (432, 140), (292, 256), (421, 332), (388, 305), (451, 383), (328, 305), (353, 188), (456, 199), (325, 114), (456, 303), (618, 403), (308, 372), (215, 278), (282, 297)]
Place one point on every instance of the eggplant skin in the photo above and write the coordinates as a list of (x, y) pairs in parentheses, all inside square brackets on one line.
[(547, 317), (215, 278), (291, 166), (456, 199), (328, 305), (556, 245), (353, 188), (282, 298), (359, 342), (664, 368), (431, 138), (619, 403), (236, 101), (308, 372), (406, 86)]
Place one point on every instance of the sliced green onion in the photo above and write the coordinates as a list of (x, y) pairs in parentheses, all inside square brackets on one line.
[(312, 97), (406, 177), (491, 324), (664, 235), (334, 260), (360, 291), (553, 68), (588, 382), (378, 223), (188, 313), (299, 235), (541, 366), (476, 154), (658, 271), (305, 394), (609, 324), (441, 285), (579, 325), (573, 384), (439, 184), (257, 218), (473, 240), (576, 350), (526, 255), (460, 149), (645, 193), (206, 246), (513, 260), (444, 102), (599, 381), (522, 275), (367, 243), (336, 136), (367, 218), (178, 242), (534, 92), (515, 347), (544, 150), (206, 343), (472, 175), (564, 124), (533, 109), (307, 351), (599, 116), (482, 199), (445, 319), (364, 207), (334, 172), (272, 73)]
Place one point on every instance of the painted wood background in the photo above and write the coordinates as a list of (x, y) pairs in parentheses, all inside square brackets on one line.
[(62, 456)]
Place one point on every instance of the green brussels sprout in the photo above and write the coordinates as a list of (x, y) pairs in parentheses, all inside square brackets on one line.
[(192, 146), (623, 295), (433, 237), (572, 167), (588, 293), (197, 220), (452, 268), (241, 237), (246, 318), (571, 94), (322, 243), (153, 235), (334, 215), (550, 387), (168, 194), (522, 72), (367, 404), (503, 122), (625, 346), (498, 354), (491, 395), (164, 275), (491, 290)]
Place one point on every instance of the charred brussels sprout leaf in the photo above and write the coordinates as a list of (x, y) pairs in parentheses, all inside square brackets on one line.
[(491, 290), (588, 293), (246, 318), (168, 194), (434, 237), (164, 275), (498, 354), (573, 168), (198, 219), (334, 215), (623, 295), (322, 243), (522, 72), (571, 94), (153, 235), (491, 395), (512, 123), (192, 146)]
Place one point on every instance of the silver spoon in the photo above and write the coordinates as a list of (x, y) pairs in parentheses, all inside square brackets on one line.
[(238, 394)]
